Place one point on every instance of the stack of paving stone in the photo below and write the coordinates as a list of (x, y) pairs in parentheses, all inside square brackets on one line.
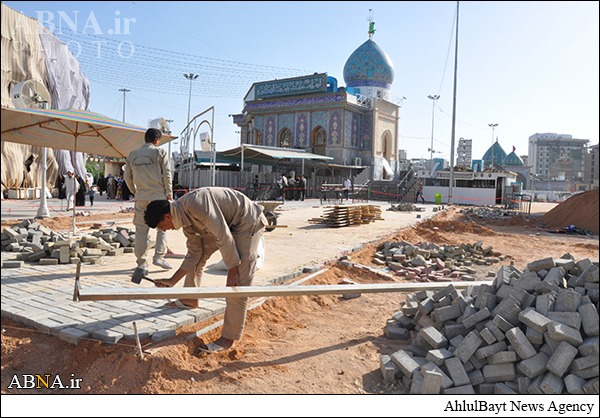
[(37, 243), (346, 215), (431, 262), (530, 332)]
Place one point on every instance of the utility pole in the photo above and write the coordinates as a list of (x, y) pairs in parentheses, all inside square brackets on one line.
[(493, 126), (434, 98), (125, 91)]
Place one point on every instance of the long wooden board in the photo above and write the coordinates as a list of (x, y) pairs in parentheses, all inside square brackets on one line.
[(101, 293)]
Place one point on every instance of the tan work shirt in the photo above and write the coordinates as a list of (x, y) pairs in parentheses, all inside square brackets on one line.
[(148, 173), (222, 212)]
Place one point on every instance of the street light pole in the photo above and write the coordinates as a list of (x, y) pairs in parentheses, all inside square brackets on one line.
[(191, 77), (434, 98), (125, 91), (493, 126)]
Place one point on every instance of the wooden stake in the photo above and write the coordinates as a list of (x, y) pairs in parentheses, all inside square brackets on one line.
[(137, 341), (77, 286)]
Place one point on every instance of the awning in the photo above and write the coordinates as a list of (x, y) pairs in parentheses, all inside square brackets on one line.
[(258, 154)]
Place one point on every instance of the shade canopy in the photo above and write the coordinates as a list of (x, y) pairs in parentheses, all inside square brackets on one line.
[(258, 154), (74, 130)]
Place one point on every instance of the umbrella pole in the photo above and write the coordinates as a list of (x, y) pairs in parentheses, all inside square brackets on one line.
[(43, 209), (74, 158)]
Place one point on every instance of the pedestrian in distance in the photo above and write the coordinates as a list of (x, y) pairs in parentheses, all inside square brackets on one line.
[(92, 194), (71, 186), (419, 191), (346, 187)]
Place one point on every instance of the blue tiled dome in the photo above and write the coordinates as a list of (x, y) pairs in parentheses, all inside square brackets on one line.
[(512, 159), (369, 65), (498, 153)]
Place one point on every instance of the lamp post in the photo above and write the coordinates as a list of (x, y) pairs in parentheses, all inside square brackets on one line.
[(191, 77), (434, 98), (125, 91), (493, 126)]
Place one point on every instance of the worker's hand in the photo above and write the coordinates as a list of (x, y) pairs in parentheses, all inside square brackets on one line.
[(233, 277), (163, 283)]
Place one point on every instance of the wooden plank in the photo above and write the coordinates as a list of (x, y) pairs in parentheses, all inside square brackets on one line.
[(257, 291)]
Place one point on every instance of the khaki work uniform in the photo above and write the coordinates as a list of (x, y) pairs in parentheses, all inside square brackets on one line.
[(148, 176), (219, 218)]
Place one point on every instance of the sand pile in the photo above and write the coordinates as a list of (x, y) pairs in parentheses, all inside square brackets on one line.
[(580, 210)]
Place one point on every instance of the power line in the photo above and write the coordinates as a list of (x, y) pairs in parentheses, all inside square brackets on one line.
[(105, 59)]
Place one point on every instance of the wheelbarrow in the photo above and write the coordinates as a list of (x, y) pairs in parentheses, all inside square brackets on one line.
[(269, 211)]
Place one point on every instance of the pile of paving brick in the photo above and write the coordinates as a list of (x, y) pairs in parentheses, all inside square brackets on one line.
[(36, 243), (530, 332), (407, 207), (426, 261)]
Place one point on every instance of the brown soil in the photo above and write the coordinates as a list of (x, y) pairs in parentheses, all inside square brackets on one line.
[(291, 345), (580, 210)]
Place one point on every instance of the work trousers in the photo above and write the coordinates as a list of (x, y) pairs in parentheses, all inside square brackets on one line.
[(235, 310), (141, 236)]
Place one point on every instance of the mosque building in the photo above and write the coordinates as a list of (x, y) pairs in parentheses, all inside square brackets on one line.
[(495, 158), (356, 125)]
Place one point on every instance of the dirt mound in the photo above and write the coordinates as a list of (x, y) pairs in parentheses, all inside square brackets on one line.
[(580, 210)]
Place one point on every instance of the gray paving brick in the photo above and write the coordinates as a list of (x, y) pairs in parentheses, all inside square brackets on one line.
[(446, 381), (502, 357), (478, 316), (589, 373), (457, 372), (584, 362), (561, 332), (107, 336), (388, 371), (404, 362), (533, 366), (494, 373), (432, 383), (571, 319), (568, 300), (589, 316), (163, 335), (551, 384), (520, 343), (468, 346), (476, 377), (438, 356), (561, 359), (433, 337), (589, 347), (533, 319), (574, 384), (489, 350), (592, 387), (503, 389), (72, 335), (461, 390)]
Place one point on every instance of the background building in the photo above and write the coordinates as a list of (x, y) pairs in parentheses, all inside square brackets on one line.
[(546, 150), (356, 125)]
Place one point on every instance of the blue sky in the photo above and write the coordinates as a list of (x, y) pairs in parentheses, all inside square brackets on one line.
[(530, 67)]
